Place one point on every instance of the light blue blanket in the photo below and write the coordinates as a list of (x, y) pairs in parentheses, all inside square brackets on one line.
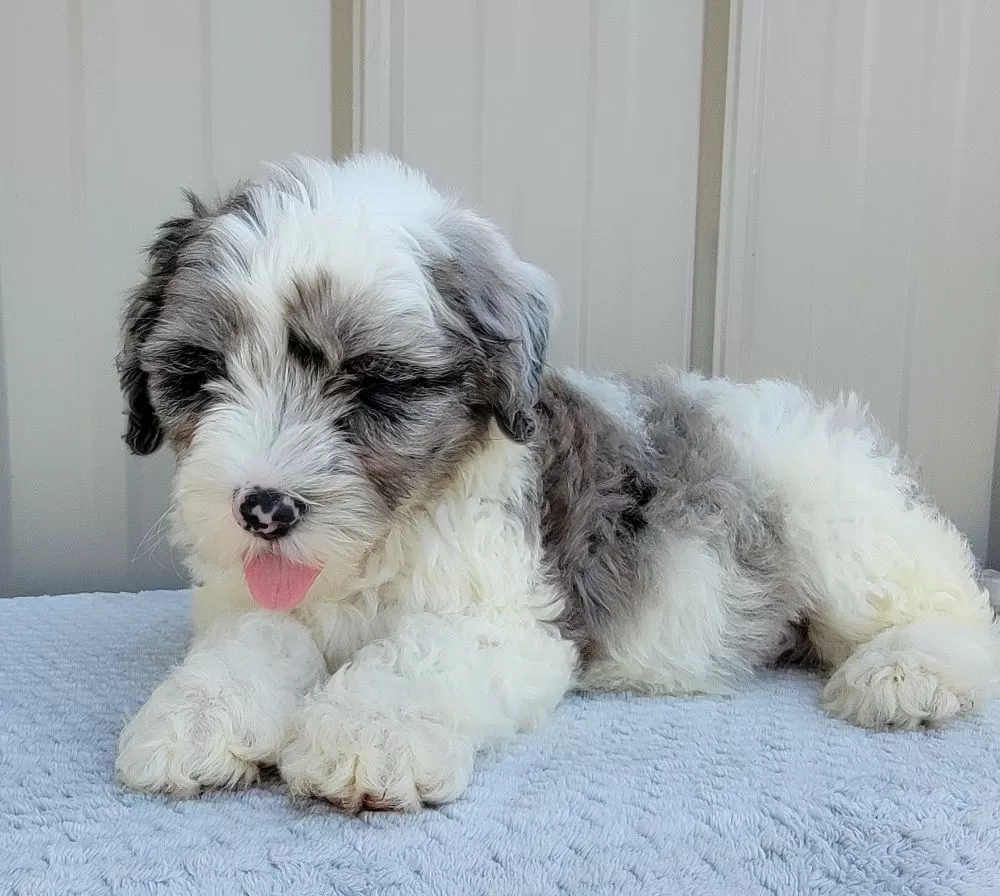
[(758, 793)]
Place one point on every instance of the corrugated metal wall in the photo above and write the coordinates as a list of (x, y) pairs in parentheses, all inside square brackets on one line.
[(572, 124), (860, 219), (861, 238), (554, 117), (107, 108)]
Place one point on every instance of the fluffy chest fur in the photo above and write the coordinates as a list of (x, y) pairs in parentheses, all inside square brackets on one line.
[(476, 548)]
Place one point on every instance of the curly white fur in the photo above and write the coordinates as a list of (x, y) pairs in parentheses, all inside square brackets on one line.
[(890, 585), (444, 646)]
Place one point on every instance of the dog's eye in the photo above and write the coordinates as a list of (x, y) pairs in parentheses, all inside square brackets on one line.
[(389, 398), (389, 395), (372, 368), (305, 354), (184, 372), (386, 386)]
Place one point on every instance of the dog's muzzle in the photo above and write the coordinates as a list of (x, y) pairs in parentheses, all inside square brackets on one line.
[(267, 512)]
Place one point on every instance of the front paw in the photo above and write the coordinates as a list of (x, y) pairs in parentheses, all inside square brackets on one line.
[(185, 739), (373, 761)]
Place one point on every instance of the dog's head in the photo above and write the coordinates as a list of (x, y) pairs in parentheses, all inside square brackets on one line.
[(321, 350)]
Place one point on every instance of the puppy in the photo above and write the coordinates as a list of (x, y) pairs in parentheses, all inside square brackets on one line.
[(409, 538)]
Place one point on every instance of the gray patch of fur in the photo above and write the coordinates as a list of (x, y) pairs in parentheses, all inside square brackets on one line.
[(180, 322), (611, 495), (144, 432), (410, 421), (504, 306)]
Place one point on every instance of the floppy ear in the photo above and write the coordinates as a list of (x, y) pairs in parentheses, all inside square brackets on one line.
[(143, 433), (506, 304)]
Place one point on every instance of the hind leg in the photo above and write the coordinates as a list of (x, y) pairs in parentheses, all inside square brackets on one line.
[(916, 643), (925, 673), (888, 586)]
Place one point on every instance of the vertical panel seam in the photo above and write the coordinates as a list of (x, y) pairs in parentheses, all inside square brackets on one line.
[(6, 515), (626, 233), (748, 299), (818, 292), (207, 86), (741, 171), (83, 382), (583, 320), (703, 303), (861, 160), (479, 122), (909, 286), (398, 11), (520, 89), (357, 73)]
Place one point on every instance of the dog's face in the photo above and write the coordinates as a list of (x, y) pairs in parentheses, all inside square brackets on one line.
[(322, 350)]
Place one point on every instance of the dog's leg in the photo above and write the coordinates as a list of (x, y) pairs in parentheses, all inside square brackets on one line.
[(224, 710), (906, 628), (887, 585), (399, 724), (924, 673)]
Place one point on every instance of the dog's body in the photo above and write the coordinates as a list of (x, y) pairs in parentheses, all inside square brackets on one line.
[(448, 538)]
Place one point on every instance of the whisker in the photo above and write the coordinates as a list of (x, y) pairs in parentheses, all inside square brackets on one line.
[(152, 539)]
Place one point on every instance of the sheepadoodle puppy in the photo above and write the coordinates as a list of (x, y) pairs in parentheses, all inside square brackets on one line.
[(410, 538)]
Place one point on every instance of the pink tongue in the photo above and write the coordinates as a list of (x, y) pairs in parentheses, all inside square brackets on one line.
[(277, 583)]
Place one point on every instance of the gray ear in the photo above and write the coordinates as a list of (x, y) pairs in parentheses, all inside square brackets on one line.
[(506, 306), (143, 433)]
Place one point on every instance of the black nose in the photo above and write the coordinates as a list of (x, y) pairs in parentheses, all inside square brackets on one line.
[(268, 513)]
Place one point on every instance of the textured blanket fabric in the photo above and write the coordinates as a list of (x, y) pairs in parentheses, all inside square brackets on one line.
[(754, 794)]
